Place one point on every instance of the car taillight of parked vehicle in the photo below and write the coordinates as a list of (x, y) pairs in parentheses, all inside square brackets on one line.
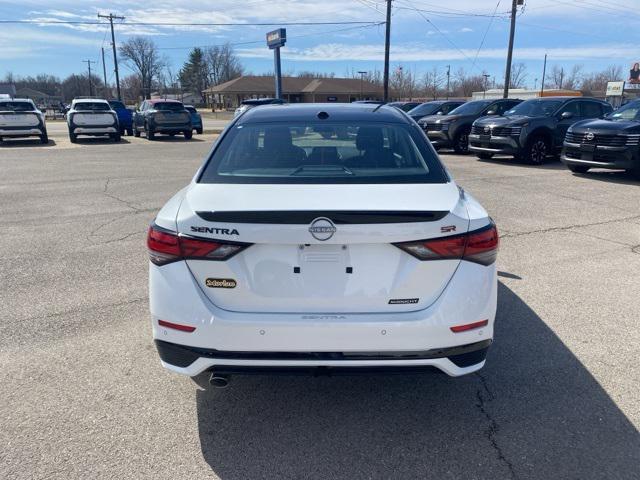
[(479, 246), (166, 247)]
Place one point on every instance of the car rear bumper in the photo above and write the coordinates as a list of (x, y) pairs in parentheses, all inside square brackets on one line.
[(21, 132), (494, 145), (173, 128), (227, 339), (94, 130), (601, 157)]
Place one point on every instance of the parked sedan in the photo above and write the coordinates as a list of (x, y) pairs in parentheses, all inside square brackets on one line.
[(92, 117), (314, 253), (613, 142), (436, 107), (255, 102), (534, 129), (452, 130), (125, 116), (19, 118), (196, 118), (162, 116)]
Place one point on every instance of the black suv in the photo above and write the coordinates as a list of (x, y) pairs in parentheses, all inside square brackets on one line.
[(612, 142), (533, 129), (452, 130), (436, 107)]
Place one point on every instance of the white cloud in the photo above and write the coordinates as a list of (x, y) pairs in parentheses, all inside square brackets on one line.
[(466, 30)]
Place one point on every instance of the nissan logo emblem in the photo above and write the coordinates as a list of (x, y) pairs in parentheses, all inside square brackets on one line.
[(322, 229), (487, 129), (590, 136)]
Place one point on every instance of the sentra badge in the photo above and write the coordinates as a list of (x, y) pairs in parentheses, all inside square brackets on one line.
[(221, 283)]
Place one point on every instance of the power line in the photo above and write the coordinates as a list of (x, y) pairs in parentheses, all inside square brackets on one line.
[(186, 24), (475, 59)]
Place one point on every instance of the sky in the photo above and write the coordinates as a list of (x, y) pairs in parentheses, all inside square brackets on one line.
[(425, 34)]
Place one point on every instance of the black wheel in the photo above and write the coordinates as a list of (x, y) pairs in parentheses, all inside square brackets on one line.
[(44, 138), (150, 133), (484, 156), (188, 134), (461, 142), (116, 137), (136, 133), (130, 131), (635, 172), (73, 138), (122, 132), (537, 151), (578, 168), (199, 131)]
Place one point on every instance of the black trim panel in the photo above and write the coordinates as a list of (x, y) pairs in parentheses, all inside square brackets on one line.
[(183, 356), (341, 217)]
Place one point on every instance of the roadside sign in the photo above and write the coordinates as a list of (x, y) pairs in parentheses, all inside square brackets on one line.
[(277, 38), (615, 89)]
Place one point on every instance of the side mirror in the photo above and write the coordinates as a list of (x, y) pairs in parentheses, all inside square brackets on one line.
[(566, 115), (440, 113), (492, 112)]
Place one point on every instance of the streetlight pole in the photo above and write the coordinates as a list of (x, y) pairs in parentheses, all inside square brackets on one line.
[(361, 82), (486, 77)]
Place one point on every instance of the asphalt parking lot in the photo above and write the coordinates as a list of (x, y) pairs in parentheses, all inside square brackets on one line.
[(84, 396)]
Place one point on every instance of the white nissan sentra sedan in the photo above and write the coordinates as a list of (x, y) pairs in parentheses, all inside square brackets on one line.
[(322, 238)]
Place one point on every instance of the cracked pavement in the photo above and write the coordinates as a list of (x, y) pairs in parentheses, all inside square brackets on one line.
[(83, 394)]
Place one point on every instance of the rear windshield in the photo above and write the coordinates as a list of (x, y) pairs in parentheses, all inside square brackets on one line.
[(191, 109), (535, 108), (323, 153), (16, 106), (117, 105), (92, 106), (471, 108), (168, 106)]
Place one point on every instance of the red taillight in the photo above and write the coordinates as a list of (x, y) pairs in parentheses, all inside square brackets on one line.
[(469, 326), (176, 326), (166, 247), (479, 246)]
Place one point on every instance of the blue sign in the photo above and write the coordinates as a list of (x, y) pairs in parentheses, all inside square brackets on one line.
[(277, 38)]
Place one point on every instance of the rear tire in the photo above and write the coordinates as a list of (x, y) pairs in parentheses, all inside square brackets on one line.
[(578, 168), (116, 137), (188, 135), (484, 156), (136, 133), (461, 141), (537, 150), (73, 138), (199, 131), (44, 138), (130, 131), (635, 172), (150, 133)]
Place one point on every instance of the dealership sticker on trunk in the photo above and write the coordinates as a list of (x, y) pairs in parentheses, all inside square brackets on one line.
[(403, 301), (220, 283)]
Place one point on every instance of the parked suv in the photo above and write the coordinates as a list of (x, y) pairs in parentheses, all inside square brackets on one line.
[(196, 118), (19, 117), (436, 107), (93, 117), (162, 116), (612, 142), (533, 129), (452, 130), (125, 116)]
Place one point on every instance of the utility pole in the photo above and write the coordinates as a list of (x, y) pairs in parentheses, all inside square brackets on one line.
[(104, 72), (89, 62), (448, 79), (544, 72), (387, 40), (486, 77), (111, 17), (512, 32), (361, 81)]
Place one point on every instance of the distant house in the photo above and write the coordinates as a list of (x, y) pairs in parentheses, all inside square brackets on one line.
[(295, 90), (8, 89), (43, 100)]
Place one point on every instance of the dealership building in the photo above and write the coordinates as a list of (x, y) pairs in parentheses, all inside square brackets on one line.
[(294, 90)]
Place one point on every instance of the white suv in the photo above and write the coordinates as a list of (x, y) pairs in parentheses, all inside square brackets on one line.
[(19, 117), (319, 237), (93, 117)]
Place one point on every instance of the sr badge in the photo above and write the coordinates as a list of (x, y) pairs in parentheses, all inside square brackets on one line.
[(220, 283)]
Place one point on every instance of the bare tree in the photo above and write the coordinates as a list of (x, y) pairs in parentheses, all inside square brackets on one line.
[(432, 82), (222, 64), (561, 78), (518, 75), (464, 85), (141, 55), (403, 83), (597, 81)]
